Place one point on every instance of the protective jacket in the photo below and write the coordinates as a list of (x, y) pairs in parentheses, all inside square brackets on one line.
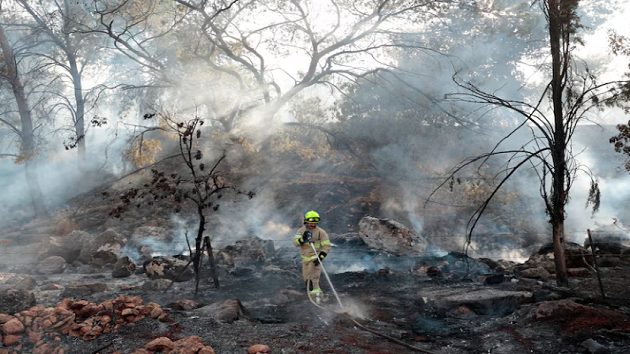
[(320, 240)]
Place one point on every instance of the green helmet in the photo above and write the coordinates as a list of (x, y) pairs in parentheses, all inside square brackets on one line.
[(311, 217)]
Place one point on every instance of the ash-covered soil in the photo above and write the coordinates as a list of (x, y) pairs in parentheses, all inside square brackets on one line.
[(388, 302)]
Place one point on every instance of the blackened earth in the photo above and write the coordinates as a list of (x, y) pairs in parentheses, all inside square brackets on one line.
[(386, 301)]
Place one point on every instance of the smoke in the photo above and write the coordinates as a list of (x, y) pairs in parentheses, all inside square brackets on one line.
[(398, 124)]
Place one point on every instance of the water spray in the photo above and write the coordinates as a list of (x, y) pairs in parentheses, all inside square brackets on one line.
[(321, 263), (345, 313)]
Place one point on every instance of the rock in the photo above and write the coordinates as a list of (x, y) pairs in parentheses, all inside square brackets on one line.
[(16, 300), (487, 301), (241, 272), (156, 284), (12, 340), (168, 268), (494, 279), (434, 272), (348, 239), (123, 268), (250, 251), (22, 283), (191, 345), (227, 311), (594, 347), (183, 305), (103, 257), (279, 299), (108, 241), (65, 226), (608, 262), (68, 247), (80, 290), (574, 254), (558, 308), (51, 287), (536, 273), (259, 349), (161, 344), (462, 312), (51, 265), (391, 236), (13, 326)]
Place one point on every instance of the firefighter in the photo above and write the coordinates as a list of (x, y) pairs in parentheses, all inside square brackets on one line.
[(311, 262)]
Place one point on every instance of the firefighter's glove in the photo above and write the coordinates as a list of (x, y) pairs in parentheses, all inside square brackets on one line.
[(319, 260), (307, 237)]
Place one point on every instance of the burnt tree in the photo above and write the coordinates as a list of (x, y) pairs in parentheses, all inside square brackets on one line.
[(571, 92), (201, 185), (25, 131)]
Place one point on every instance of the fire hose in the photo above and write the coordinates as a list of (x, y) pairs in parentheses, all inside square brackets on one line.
[(345, 313)]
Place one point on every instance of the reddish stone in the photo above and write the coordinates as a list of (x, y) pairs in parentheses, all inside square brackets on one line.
[(259, 349), (130, 312), (13, 326), (160, 344), (65, 304), (155, 313), (89, 310), (35, 336), (4, 318), (188, 345), (78, 305), (11, 340)]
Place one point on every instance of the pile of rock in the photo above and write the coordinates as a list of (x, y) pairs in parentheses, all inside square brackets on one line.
[(38, 330)]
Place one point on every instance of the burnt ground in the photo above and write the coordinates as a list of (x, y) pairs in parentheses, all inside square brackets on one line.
[(386, 301)]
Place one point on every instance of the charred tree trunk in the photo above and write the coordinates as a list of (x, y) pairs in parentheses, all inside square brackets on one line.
[(75, 73), (26, 134), (558, 39), (213, 268), (199, 248), (79, 119)]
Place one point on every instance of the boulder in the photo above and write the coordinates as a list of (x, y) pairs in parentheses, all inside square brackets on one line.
[(103, 257), (574, 255), (348, 239), (124, 267), (250, 251), (391, 236), (183, 305), (68, 246), (16, 300), (539, 273), (51, 265), (168, 268), (109, 242), (80, 290), (156, 284), (227, 311), (485, 301)]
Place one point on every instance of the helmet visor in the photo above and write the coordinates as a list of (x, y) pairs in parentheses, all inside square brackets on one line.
[(313, 219)]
